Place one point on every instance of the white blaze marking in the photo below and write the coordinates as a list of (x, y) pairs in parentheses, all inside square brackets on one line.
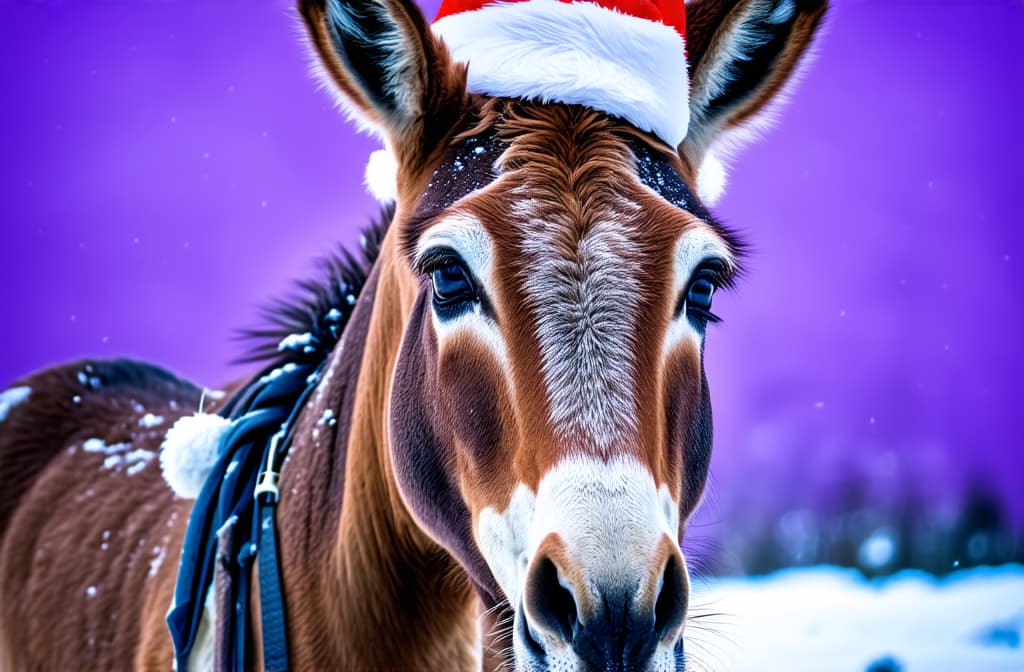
[(585, 309)]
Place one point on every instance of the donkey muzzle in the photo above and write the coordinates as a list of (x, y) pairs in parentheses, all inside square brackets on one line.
[(615, 620), (593, 568)]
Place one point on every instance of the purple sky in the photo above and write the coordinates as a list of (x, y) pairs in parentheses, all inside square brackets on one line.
[(167, 167)]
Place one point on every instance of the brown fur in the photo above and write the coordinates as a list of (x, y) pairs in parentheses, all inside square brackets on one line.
[(375, 549), (367, 584), (575, 164), (78, 525)]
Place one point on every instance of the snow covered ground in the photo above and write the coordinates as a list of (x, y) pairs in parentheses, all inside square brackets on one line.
[(824, 619)]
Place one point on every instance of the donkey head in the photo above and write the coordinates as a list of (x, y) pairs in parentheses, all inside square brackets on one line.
[(549, 421)]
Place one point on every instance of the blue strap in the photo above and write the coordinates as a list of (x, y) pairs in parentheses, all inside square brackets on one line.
[(239, 649), (227, 493), (268, 407), (272, 608), (275, 642)]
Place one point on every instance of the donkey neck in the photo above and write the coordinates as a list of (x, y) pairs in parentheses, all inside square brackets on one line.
[(365, 587)]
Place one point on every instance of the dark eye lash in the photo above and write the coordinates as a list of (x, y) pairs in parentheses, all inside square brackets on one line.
[(718, 273), (435, 258), (715, 270), (705, 315)]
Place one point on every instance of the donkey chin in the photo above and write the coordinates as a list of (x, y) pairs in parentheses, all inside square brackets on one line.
[(591, 569)]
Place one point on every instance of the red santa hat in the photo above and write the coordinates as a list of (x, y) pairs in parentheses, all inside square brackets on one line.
[(623, 57)]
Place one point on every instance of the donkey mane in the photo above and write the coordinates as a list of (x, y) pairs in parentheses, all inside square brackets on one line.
[(304, 327)]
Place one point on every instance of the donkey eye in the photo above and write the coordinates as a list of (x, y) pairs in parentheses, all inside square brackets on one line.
[(700, 293), (452, 284), (695, 304)]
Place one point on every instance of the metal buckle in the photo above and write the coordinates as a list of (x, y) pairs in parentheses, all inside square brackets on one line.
[(268, 481), (267, 485)]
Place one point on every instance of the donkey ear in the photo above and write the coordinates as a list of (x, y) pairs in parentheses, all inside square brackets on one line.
[(390, 70), (741, 54)]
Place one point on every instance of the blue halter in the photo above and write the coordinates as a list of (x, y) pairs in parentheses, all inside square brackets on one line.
[(241, 493)]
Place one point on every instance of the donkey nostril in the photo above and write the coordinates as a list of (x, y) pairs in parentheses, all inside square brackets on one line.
[(550, 603), (532, 645), (670, 607)]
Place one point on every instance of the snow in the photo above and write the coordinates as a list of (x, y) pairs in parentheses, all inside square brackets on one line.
[(824, 618), (150, 421), (231, 521), (159, 555), (12, 397), (86, 378), (297, 342), (278, 372), (119, 455), (95, 445), (878, 550), (136, 461), (91, 591), (325, 383)]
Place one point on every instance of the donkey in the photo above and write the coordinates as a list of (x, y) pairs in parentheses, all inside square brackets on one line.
[(496, 469)]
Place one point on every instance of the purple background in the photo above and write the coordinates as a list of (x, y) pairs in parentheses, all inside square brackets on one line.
[(167, 167)]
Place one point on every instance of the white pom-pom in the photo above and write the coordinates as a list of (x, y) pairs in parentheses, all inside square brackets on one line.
[(711, 178), (381, 176), (190, 450)]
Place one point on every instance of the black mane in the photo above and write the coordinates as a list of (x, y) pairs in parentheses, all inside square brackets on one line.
[(305, 326)]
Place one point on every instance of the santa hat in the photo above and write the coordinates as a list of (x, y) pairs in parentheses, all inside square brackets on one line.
[(623, 57)]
